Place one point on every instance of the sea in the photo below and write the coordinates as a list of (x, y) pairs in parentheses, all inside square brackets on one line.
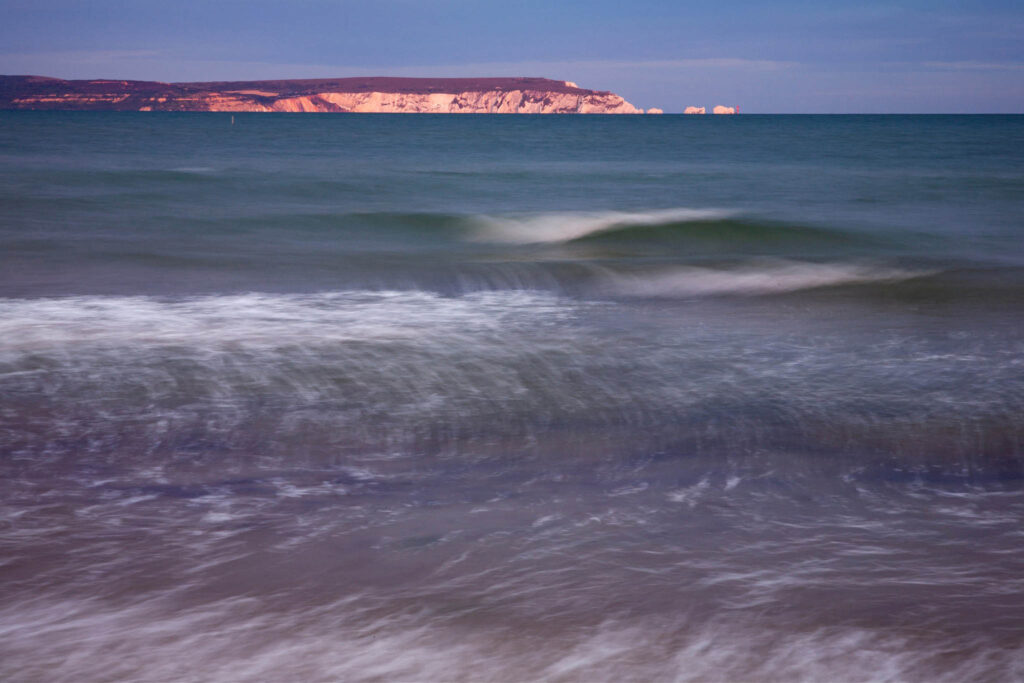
[(346, 397)]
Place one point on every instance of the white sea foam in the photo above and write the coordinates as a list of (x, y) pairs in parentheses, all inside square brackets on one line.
[(761, 278), (689, 495), (232, 640), (264, 320), (568, 225), (410, 356)]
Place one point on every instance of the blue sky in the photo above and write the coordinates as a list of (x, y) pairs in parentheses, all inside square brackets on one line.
[(781, 56)]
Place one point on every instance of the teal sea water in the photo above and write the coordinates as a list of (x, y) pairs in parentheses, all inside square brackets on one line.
[(396, 397)]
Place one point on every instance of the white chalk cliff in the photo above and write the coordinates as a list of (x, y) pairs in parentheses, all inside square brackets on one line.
[(381, 95)]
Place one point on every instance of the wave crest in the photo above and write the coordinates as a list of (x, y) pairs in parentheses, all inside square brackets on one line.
[(572, 225), (760, 279)]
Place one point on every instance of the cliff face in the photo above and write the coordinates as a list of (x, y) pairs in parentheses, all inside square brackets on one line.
[(392, 95), (465, 102)]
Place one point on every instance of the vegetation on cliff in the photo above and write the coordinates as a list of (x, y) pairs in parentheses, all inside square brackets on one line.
[(378, 94)]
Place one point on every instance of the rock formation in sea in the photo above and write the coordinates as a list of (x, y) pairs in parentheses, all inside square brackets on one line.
[(655, 110), (719, 109), (378, 94), (695, 110)]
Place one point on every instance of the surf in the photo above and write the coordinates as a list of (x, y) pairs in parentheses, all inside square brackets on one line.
[(567, 226)]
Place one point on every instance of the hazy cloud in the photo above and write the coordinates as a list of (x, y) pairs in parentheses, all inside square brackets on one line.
[(976, 66)]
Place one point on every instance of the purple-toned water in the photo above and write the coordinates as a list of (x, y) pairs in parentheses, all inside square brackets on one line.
[(511, 398)]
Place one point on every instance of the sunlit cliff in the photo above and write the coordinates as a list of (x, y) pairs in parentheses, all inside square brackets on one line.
[(379, 94)]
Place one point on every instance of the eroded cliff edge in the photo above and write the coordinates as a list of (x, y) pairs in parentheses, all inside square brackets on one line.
[(379, 94)]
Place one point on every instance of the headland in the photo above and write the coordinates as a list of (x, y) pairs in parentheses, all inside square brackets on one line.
[(363, 95)]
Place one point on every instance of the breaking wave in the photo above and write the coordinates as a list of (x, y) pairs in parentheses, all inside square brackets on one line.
[(568, 226), (270, 321), (755, 279)]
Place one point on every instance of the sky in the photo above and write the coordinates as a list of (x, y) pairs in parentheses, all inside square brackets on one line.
[(770, 56)]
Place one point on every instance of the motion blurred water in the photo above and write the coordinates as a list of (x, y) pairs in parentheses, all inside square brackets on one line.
[(375, 397)]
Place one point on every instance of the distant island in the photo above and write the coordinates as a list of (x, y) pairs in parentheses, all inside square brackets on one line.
[(364, 95)]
